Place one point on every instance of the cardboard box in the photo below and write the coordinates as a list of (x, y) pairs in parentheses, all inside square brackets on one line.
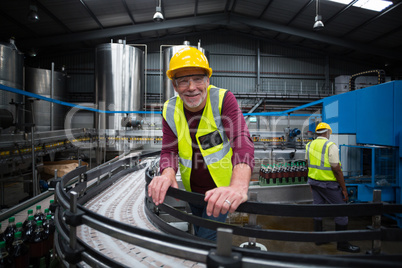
[(63, 167)]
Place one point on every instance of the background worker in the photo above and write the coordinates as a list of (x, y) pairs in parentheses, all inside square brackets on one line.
[(205, 134), (326, 179)]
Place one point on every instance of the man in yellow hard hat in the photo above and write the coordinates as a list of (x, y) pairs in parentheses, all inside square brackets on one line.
[(206, 137), (326, 180)]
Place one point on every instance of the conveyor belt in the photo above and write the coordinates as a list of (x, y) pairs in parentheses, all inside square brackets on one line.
[(124, 201)]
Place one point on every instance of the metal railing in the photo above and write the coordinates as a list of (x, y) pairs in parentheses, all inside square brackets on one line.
[(69, 214)]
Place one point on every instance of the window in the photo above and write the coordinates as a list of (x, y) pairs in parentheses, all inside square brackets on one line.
[(375, 5)]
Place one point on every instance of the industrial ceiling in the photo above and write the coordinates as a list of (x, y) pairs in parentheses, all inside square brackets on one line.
[(66, 25)]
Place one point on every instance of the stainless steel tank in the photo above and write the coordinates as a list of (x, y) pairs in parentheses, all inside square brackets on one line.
[(11, 75), (80, 118), (168, 90), (47, 115), (119, 80)]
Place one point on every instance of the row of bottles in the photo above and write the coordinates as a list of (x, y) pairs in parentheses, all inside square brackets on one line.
[(280, 174), (276, 139), (28, 244), (140, 140)]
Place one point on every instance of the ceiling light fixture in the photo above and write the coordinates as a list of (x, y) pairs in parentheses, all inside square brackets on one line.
[(33, 15), (158, 16), (318, 25), (33, 52)]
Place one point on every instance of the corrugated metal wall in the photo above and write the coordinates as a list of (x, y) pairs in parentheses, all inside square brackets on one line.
[(283, 69)]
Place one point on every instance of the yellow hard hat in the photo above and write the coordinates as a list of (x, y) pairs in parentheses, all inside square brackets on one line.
[(322, 127), (188, 57)]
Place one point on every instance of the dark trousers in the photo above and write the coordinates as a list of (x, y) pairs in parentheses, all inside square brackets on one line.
[(206, 233), (329, 196)]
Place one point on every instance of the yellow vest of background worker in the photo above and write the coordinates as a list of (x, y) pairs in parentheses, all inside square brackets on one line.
[(319, 167), (211, 138)]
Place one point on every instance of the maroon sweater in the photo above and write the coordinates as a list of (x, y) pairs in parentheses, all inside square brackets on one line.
[(236, 130)]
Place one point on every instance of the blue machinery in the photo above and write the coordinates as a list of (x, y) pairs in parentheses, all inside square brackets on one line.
[(367, 126)]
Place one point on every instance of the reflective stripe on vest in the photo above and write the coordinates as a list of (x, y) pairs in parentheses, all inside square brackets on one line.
[(169, 108), (217, 158), (319, 167)]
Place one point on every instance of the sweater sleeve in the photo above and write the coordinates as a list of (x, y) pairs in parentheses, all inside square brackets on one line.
[(237, 131), (169, 153)]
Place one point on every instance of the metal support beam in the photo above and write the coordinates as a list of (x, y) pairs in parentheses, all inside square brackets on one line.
[(256, 106), (208, 20), (392, 54), (73, 229), (126, 30)]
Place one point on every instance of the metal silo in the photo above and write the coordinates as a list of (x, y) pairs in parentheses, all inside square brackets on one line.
[(119, 84), (11, 75), (168, 90), (47, 115)]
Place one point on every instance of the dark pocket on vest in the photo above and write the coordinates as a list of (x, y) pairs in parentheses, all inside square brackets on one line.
[(210, 140)]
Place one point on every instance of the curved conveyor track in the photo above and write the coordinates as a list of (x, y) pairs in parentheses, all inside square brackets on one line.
[(124, 201)]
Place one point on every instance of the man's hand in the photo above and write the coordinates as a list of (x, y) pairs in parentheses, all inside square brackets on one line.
[(224, 199), (160, 184), (345, 195), (227, 199)]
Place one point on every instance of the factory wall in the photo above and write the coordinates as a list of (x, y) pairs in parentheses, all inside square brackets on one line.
[(233, 57)]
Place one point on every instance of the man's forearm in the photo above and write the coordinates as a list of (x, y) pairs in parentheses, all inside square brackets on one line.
[(170, 173), (241, 177), (339, 176)]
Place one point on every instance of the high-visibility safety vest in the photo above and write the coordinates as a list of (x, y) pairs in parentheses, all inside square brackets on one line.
[(319, 167), (211, 138)]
